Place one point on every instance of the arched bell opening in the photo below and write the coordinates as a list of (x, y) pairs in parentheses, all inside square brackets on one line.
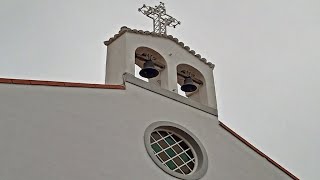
[(150, 66), (192, 83)]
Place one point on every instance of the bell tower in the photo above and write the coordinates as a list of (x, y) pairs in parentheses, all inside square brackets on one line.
[(164, 60)]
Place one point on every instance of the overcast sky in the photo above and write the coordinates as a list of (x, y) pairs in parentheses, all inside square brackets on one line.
[(266, 55)]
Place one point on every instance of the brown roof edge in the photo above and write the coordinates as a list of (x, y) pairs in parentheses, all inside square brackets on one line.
[(61, 84), (257, 150)]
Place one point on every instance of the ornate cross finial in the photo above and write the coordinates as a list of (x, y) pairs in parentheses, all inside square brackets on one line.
[(160, 18)]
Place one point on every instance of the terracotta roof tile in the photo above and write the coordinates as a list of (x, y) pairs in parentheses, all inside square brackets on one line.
[(257, 151), (56, 83), (125, 29), (4, 80), (20, 81), (35, 82), (68, 84)]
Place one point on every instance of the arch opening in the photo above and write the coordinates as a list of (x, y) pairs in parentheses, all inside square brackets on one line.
[(185, 71), (145, 54)]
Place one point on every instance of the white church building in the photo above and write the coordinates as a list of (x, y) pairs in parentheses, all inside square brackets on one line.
[(127, 128)]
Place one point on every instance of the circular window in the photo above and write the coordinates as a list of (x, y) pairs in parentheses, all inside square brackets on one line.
[(172, 151), (176, 150)]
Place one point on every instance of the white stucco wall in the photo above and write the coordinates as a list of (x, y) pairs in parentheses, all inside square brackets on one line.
[(59, 133), (121, 59)]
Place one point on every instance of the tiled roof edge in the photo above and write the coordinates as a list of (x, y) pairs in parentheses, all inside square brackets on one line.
[(125, 29), (57, 83), (257, 151)]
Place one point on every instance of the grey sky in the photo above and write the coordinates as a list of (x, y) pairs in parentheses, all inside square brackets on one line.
[(266, 55)]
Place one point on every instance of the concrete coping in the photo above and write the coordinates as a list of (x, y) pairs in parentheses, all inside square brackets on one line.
[(174, 96)]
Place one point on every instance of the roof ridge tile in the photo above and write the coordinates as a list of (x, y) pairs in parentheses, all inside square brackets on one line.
[(124, 29)]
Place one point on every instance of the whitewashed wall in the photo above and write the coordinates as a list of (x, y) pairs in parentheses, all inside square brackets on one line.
[(59, 133)]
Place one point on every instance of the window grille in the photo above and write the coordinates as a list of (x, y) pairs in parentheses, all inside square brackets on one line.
[(172, 151)]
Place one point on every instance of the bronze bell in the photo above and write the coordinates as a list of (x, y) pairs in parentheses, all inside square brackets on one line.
[(148, 70), (188, 85)]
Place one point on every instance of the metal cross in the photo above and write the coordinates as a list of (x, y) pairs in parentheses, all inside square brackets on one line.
[(160, 18)]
